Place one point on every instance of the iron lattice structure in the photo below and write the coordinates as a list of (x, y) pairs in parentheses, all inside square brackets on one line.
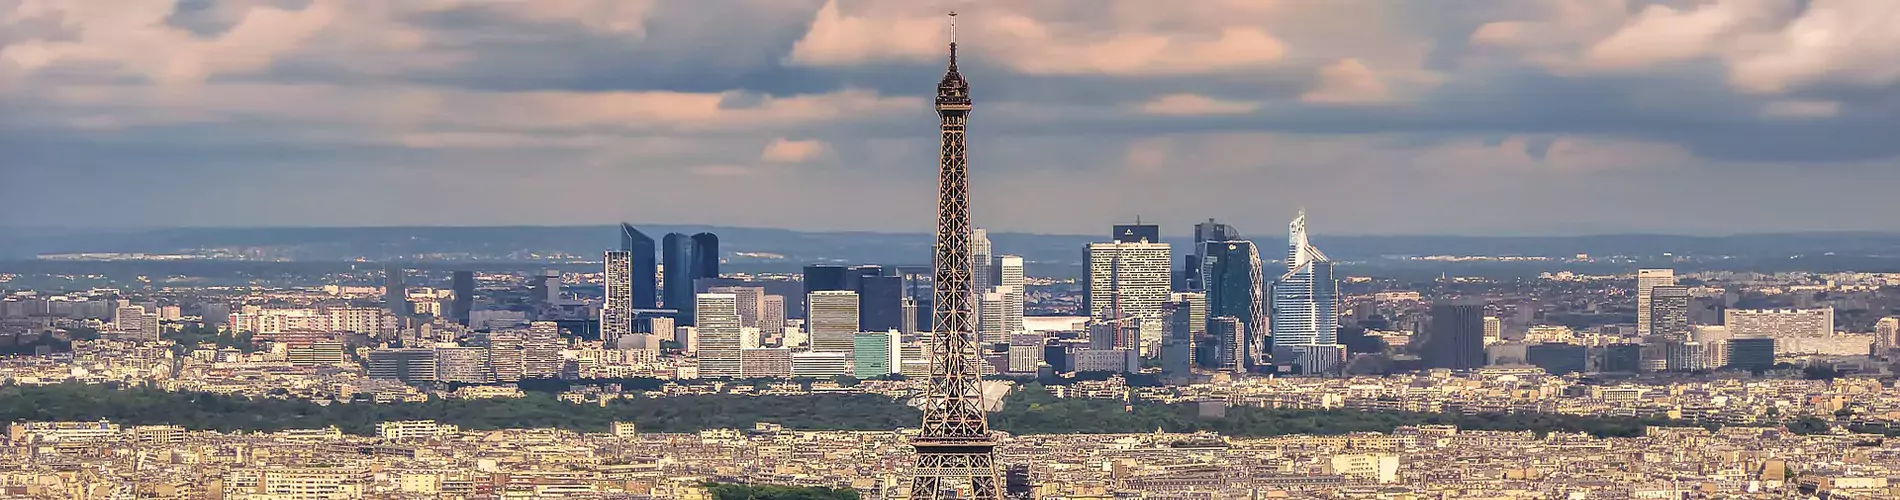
[(954, 444)]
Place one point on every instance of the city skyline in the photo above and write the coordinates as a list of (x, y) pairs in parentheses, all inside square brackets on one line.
[(1473, 118)]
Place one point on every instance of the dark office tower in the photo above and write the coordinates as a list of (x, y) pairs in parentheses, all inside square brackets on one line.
[(1233, 350), (395, 290), (1203, 233), (463, 284), (1622, 358), (1751, 353), (1455, 338), (824, 278), (1558, 359), (1234, 290), (908, 322), (880, 303), (677, 280), (855, 276), (1177, 341), (705, 256), (644, 262), (1137, 233), (1669, 312)]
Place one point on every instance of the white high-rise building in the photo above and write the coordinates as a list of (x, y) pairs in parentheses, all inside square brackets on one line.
[(1009, 276), (504, 356), (772, 316), (1647, 280), (1135, 278), (1887, 334), (541, 351), (616, 311), (832, 320), (981, 273), (991, 326), (1305, 315), (716, 316), (469, 365), (1779, 323), (751, 303)]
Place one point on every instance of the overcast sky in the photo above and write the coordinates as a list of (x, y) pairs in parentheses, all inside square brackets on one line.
[(1378, 116)]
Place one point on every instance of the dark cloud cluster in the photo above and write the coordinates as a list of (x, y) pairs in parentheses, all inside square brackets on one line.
[(1470, 116)]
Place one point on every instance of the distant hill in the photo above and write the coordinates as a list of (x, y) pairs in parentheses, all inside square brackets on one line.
[(745, 246)]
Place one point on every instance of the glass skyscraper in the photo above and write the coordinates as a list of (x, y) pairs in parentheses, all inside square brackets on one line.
[(1233, 287), (645, 263), (688, 258), (1305, 299)]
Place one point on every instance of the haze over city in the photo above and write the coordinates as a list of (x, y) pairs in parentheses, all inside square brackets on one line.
[(1380, 117), (714, 250)]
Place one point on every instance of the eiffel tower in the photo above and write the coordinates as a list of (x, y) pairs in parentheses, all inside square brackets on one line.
[(954, 444)]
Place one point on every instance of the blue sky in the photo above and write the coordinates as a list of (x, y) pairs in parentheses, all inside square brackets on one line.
[(1378, 116)]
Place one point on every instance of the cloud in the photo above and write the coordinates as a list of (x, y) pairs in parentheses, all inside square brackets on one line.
[(781, 150), (1239, 109), (133, 38), (1801, 109), (1191, 104), (1029, 44), (1347, 82)]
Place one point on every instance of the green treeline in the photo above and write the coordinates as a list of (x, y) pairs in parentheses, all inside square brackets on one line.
[(1030, 410), (724, 491)]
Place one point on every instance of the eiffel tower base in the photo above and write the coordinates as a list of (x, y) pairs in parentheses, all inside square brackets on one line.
[(941, 467)]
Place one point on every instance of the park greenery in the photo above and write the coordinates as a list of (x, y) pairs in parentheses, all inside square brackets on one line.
[(1029, 410), (192, 335)]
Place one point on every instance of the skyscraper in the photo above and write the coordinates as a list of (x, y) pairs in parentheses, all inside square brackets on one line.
[(990, 327), (1177, 343), (688, 258), (643, 263), (545, 289), (1234, 351), (1669, 312), (1647, 279), (1009, 276), (1455, 339), (880, 303), (1137, 233), (749, 301), (1235, 290), (1306, 298), (772, 315), (954, 443), (824, 278), (832, 320), (717, 322), (1203, 233), (462, 283), (1129, 280), (854, 276), (874, 354), (616, 308), (981, 275), (396, 290), (705, 256)]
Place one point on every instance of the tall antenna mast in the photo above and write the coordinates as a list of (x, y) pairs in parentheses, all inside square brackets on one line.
[(953, 27)]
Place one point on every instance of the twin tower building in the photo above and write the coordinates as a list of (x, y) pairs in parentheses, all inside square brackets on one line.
[(632, 286), (1224, 311)]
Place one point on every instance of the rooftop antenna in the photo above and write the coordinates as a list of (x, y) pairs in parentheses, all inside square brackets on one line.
[(953, 27)]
